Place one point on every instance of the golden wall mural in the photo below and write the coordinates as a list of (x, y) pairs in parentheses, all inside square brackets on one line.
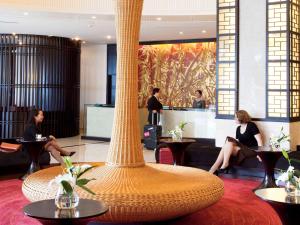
[(178, 70)]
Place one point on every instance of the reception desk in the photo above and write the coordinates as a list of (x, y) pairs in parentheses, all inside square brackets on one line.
[(201, 123)]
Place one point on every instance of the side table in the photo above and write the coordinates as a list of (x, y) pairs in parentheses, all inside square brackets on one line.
[(269, 159), (287, 207), (177, 148), (34, 149), (47, 212)]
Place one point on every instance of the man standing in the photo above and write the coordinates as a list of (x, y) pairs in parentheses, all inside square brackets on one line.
[(154, 106)]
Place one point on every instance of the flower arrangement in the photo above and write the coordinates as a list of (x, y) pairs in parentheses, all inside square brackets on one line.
[(281, 141), (177, 132), (290, 178), (66, 196)]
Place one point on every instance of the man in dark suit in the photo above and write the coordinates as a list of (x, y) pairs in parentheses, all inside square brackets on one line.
[(154, 106)]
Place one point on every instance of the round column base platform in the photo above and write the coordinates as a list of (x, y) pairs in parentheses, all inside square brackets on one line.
[(152, 192)]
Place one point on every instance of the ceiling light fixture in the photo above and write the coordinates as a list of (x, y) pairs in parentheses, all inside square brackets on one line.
[(158, 18), (77, 38), (83, 42), (181, 33), (13, 33), (108, 37), (203, 31), (25, 13), (94, 17), (20, 42)]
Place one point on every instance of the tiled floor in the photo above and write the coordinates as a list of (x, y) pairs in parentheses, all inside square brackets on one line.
[(91, 151)]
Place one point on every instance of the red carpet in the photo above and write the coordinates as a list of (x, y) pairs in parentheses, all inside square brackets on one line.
[(239, 206)]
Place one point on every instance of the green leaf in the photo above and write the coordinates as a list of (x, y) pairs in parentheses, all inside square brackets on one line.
[(87, 189), (68, 162), (83, 181), (285, 155), (83, 172), (67, 187), (295, 160)]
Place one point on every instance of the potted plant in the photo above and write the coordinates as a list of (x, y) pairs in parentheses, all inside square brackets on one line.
[(66, 197)]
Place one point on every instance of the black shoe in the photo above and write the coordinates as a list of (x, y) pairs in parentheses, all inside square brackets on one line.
[(70, 154), (216, 173), (224, 170)]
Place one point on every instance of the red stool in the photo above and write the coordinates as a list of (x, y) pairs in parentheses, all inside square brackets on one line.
[(165, 156)]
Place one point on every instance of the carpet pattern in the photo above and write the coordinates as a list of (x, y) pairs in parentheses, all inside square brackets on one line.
[(239, 206)]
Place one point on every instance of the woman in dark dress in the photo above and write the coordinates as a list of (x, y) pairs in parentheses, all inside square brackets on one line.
[(154, 106), (33, 129), (199, 102), (247, 135)]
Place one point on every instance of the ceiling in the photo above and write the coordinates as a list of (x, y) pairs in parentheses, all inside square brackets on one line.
[(95, 28)]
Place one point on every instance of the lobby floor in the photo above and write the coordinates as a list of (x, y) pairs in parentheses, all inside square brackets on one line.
[(91, 151)]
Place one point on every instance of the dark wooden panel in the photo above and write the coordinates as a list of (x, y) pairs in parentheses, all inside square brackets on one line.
[(39, 72)]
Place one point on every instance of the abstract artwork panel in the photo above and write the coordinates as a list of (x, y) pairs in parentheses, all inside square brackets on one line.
[(178, 70)]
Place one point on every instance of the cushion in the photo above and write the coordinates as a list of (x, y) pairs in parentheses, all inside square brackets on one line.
[(8, 147)]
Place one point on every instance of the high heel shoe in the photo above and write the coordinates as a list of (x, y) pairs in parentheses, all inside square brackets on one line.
[(70, 154), (224, 170), (216, 173)]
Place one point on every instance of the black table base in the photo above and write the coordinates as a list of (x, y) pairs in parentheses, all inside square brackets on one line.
[(269, 160), (34, 149), (289, 214)]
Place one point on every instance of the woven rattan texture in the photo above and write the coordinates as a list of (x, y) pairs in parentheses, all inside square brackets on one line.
[(156, 192), (125, 147)]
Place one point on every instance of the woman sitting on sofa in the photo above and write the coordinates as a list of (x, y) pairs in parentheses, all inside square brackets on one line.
[(33, 128), (247, 135)]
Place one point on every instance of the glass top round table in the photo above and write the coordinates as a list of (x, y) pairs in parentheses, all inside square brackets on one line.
[(287, 207), (47, 212), (277, 195)]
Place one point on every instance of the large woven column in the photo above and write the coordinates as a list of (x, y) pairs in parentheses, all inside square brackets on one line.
[(125, 148)]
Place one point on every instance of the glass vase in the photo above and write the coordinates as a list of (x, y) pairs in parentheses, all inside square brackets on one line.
[(64, 200), (177, 136), (290, 188)]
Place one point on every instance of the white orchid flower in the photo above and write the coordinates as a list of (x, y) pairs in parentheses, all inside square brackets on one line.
[(65, 177), (291, 169), (284, 177)]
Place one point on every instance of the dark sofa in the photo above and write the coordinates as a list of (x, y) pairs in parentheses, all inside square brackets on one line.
[(19, 161), (204, 153)]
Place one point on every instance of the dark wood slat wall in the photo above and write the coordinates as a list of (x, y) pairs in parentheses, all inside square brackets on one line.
[(39, 72)]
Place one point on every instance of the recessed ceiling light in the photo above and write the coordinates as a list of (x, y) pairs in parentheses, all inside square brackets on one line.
[(20, 42), (13, 33), (108, 37), (94, 17), (83, 42), (77, 38), (25, 13), (158, 18), (181, 33), (203, 31)]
